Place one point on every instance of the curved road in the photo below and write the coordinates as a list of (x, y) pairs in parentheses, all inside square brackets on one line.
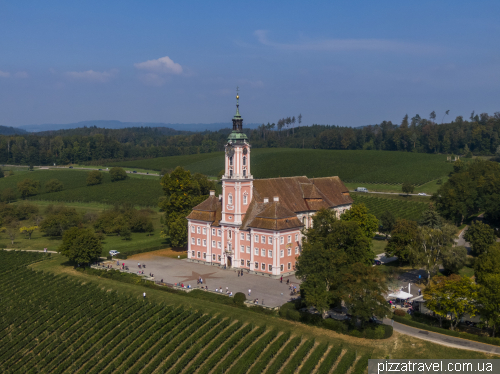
[(437, 338)]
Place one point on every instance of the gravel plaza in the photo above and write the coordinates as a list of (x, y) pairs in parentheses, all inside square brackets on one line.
[(264, 288)]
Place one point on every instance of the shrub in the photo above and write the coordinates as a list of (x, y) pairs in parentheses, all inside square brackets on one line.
[(93, 178), (336, 326), (117, 174), (400, 312), (54, 185), (239, 298), (376, 332)]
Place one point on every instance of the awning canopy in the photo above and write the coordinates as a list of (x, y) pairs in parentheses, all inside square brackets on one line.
[(401, 295)]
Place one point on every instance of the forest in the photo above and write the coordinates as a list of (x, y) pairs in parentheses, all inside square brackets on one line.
[(479, 135)]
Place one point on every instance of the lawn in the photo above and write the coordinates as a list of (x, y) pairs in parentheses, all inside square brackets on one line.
[(375, 167), (399, 346), (378, 245)]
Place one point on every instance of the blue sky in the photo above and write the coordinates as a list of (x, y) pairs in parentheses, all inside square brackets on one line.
[(344, 63)]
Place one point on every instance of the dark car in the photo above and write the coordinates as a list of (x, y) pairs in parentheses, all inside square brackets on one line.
[(71, 167), (377, 262), (134, 171), (100, 169)]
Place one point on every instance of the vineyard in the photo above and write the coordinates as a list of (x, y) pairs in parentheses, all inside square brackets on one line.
[(351, 166), (401, 209), (51, 324)]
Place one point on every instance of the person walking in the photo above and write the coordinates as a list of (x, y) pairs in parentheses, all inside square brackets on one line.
[(144, 295), (227, 289), (238, 273), (419, 292), (281, 279), (139, 264), (249, 292)]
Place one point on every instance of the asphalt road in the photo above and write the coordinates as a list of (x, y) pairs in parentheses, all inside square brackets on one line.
[(390, 193), (449, 341)]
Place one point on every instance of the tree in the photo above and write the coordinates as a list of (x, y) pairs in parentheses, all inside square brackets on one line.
[(458, 166), (454, 258), (117, 174), (126, 233), (58, 220), (28, 187), (453, 295), (431, 218), (426, 251), (80, 245), (432, 116), (407, 188), (402, 237), (489, 300), (367, 222), (93, 178), (480, 236), (487, 263), (220, 175), (8, 195), (54, 185), (28, 230), (387, 222), (12, 230)]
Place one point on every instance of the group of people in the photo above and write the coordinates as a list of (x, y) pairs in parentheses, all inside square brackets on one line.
[(199, 281), (229, 293), (240, 272)]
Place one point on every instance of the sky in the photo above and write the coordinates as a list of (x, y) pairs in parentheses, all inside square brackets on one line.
[(347, 63)]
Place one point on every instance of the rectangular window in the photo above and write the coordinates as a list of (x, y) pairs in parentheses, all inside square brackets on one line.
[(192, 228), (282, 253), (213, 232), (296, 250), (198, 241), (263, 252), (242, 236), (199, 254), (219, 245), (256, 238), (248, 249), (296, 237), (263, 239), (204, 242), (242, 248), (270, 267), (248, 263), (270, 253), (198, 229), (289, 265), (281, 267), (263, 266), (289, 238), (219, 233), (270, 241), (192, 253), (192, 240), (289, 252), (245, 199), (256, 266), (282, 239), (242, 262), (213, 243), (218, 257), (213, 257), (204, 255), (248, 236), (204, 231), (256, 251)]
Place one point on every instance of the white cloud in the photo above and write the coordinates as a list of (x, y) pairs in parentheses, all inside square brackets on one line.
[(344, 45), (4, 74), (162, 65), (91, 75), (21, 74)]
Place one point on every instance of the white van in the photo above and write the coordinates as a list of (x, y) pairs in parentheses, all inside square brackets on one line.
[(361, 189)]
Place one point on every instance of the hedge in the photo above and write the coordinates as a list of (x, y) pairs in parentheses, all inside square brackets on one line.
[(456, 334)]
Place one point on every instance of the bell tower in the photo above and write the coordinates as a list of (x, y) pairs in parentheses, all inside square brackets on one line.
[(237, 182)]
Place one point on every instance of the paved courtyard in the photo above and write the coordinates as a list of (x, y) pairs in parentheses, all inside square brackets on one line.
[(171, 270)]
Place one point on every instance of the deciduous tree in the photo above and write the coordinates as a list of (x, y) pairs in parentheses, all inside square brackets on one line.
[(487, 263), (454, 258), (94, 178), (407, 188), (117, 174), (28, 230), (28, 187), (480, 236), (368, 223), (80, 245), (54, 185), (431, 218), (387, 222), (402, 237)]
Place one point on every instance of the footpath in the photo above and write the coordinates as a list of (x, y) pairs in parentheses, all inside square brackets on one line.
[(446, 340)]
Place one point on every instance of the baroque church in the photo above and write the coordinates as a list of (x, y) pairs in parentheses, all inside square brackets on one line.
[(256, 224)]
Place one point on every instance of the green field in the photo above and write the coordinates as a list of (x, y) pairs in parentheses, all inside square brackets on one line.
[(377, 167), (411, 210), (140, 190)]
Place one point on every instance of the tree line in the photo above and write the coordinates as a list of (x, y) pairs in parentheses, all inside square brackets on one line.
[(479, 135)]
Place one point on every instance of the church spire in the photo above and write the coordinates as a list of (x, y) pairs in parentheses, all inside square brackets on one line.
[(237, 120)]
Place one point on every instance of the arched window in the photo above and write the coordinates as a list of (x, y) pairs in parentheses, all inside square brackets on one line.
[(304, 220), (230, 172), (244, 172), (230, 199), (231, 161), (244, 160), (245, 197)]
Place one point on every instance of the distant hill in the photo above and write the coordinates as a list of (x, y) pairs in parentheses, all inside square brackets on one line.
[(4, 130), (195, 127)]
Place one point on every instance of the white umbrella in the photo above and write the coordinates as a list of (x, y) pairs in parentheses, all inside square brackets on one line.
[(401, 295)]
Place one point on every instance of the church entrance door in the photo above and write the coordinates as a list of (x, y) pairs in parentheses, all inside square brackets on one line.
[(229, 261)]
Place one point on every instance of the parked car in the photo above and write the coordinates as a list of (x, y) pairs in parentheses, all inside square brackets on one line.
[(422, 194), (361, 189), (71, 167), (113, 252), (100, 169), (134, 171), (377, 262)]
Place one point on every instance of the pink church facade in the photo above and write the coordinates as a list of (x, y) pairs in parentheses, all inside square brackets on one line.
[(256, 225)]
